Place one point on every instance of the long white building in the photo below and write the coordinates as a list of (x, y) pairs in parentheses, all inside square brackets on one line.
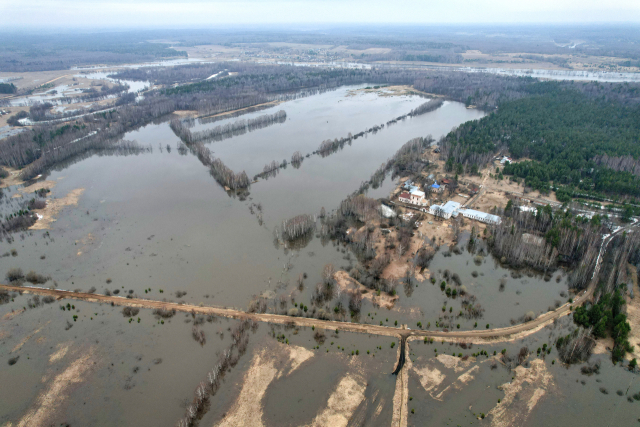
[(453, 209)]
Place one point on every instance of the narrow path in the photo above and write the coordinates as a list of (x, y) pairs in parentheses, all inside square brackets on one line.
[(495, 335)]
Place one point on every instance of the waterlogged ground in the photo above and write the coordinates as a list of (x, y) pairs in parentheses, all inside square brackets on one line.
[(158, 220), (451, 390), (157, 225), (90, 373)]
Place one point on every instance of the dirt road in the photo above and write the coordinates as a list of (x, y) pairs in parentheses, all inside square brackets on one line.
[(487, 334), (492, 335)]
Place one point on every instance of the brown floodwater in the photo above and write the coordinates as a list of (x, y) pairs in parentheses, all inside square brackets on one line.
[(159, 222)]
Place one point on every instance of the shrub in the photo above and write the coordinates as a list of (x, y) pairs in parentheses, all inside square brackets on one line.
[(130, 311), (14, 274), (393, 344), (293, 312), (36, 204), (164, 313), (35, 278)]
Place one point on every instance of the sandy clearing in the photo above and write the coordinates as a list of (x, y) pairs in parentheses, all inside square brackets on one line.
[(185, 113), (429, 377), (12, 179), (522, 395), (455, 363), (350, 285), (342, 403), (59, 353), (459, 382), (54, 206), (247, 409), (28, 337), (49, 400), (603, 345), (38, 186)]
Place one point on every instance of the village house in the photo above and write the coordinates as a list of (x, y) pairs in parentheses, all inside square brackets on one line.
[(417, 198), (405, 197)]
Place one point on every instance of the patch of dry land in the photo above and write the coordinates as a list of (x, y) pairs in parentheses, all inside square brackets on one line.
[(267, 366), (522, 395), (350, 285), (50, 399), (277, 361), (386, 91), (49, 214), (342, 403), (12, 179)]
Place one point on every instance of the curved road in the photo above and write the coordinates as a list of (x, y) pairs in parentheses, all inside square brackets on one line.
[(482, 334)]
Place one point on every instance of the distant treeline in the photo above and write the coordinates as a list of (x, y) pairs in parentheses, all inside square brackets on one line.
[(443, 58), (21, 52)]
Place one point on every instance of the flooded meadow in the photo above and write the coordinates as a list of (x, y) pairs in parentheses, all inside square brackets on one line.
[(155, 224)]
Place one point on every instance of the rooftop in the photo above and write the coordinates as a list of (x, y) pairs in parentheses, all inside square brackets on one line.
[(478, 214)]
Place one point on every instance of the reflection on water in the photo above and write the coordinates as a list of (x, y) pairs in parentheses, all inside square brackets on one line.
[(160, 220)]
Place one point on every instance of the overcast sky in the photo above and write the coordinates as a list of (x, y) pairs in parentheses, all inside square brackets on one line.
[(165, 13)]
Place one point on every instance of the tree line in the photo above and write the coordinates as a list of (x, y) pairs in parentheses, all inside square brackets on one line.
[(228, 130)]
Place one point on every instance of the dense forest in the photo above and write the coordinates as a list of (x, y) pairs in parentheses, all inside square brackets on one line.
[(561, 135)]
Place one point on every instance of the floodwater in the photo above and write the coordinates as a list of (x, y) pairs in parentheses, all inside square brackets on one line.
[(135, 86), (577, 75), (159, 221), (55, 96), (598, 76), (59, 94)]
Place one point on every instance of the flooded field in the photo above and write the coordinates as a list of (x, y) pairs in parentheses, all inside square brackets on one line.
[(157, 225), (159, 220)]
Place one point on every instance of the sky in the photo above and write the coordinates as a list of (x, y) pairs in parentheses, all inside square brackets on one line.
[(202, 14)]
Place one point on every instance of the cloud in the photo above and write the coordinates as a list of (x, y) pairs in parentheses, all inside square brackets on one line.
[(162, 13)]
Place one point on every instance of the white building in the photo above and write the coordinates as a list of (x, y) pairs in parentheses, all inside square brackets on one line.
[(415, 197), (480, 216), (505, 159), (445, 211), (452, 209)]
